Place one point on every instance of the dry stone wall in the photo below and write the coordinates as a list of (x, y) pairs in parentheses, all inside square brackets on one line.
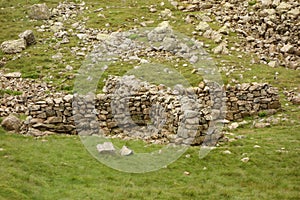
[(130, 108)]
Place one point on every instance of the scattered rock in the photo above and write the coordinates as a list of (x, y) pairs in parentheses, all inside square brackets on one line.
[(202, 26), (261, 125), (287, 48), (106, 147), (35, 132), (283, 6), (245, 160), (226, 152), (39, 12), (13, 46), (221, 49), (266, 27), (293, 97), (28, 36), (11, 123), (273, 63), (166, 13), (186, 173), (102, 37), (187, 155), (82, 36), (233, 125), (224, 30), (266, 3), (125, 151)]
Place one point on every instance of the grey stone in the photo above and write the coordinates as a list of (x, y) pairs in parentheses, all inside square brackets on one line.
[(202, 26), (35, 132), (53, 120), (234, 125), (287, 48), (11, 123), (125, 151), (261, 125), (283, 6), (13, 75), (28, 36), (102, 36), (68, 98), (82, 36), (57, 26), (295, 12), (106, 147), (13, 46), (166, 13), (266, 3), (224, 30), (194, 59), (296, 99), (273, 64), (220, 49), (169, 44), (245, 160), (39, 12), (190, 114), (160, 32)]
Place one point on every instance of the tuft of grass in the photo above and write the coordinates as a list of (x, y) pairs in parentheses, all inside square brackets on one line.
[(10, 92), (252, 2), (262, 114)]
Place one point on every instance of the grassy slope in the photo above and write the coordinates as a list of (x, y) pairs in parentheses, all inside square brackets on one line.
[(61, 168)]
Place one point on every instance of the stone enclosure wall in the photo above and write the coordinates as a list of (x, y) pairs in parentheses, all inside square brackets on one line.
[(130, 108)]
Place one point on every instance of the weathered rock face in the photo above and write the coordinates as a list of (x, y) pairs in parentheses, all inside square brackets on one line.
[(13, 46), (39, 12), (11, 123)]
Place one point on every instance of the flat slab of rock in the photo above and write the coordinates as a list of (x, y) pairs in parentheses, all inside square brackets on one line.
[(13, 75), (13, 46), (106, 147)]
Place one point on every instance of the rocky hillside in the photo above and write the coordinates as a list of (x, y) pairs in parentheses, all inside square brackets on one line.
[(270, 29)]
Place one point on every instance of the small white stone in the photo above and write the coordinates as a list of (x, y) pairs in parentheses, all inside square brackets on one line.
[(226, 152), (245, 160)]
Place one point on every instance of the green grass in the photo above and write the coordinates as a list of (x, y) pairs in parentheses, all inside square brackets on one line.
[(10, 92), (59, 167)]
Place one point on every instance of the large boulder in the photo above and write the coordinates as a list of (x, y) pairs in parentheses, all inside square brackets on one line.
[(28, 36), (11, 123), (13, 46), (39, 12)]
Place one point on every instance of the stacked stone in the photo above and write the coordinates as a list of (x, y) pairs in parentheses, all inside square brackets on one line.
[(85, 114), (249, 99), (136, 109), (17, 93), (52, 115)]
